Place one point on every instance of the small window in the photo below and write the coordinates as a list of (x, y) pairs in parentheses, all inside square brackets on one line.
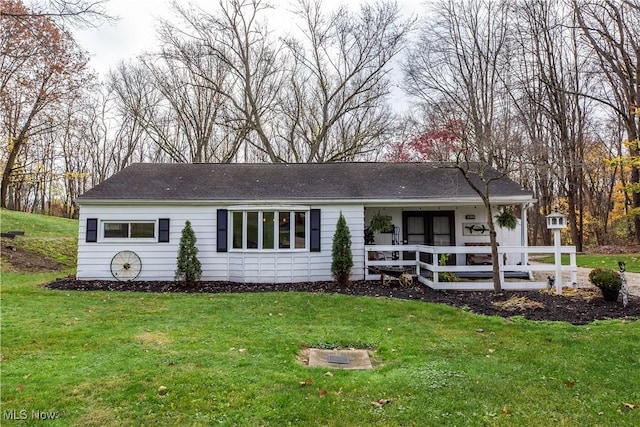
[(129, 230)]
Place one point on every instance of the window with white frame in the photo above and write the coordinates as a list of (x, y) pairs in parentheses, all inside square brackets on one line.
[(129, 229), (270, 229)]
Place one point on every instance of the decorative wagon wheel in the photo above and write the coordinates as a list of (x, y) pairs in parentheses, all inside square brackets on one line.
[(126, 265)]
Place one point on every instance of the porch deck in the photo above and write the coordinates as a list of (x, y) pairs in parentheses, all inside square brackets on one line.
[(518, 276)]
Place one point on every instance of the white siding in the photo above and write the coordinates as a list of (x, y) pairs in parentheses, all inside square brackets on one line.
[(159, 259)]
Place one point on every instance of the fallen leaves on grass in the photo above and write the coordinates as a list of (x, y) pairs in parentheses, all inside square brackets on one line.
[(306, 382), (629, 405), (322, 393), (380, 403), (569, 383)]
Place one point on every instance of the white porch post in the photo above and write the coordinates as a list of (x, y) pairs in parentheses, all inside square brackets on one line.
[(524, 237)]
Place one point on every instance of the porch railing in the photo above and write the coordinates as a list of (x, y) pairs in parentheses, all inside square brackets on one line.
[(425, 266)]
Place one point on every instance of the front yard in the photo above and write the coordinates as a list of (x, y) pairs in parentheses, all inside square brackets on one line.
[(119, 358)]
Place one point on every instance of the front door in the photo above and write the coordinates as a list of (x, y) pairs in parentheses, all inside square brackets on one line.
[(435, 228)]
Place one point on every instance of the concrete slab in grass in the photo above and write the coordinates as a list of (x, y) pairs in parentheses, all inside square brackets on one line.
[(340, 359)]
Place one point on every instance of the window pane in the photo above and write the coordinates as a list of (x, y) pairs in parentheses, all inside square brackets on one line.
[(301, 224), (441, 225), (143, 229), (237, 230), (284, 225), (116, 229), (268, 230), (415, 225), (252, 230)]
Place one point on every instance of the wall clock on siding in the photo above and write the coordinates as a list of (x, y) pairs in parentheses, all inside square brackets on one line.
[(126, 265)]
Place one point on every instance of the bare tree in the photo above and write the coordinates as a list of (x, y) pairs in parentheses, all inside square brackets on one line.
[(600, 179), (334, 104), (611, 29), (189, 81), (249, 58), (459, 64), (81, 13), (137, 102), (549, 46)]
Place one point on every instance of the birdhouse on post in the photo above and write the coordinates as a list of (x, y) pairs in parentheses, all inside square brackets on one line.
[(556, 222)]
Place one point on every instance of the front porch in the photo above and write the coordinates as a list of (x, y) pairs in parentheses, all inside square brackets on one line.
[(422, 262)]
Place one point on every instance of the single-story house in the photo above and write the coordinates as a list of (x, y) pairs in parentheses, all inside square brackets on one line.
[(274, 223)]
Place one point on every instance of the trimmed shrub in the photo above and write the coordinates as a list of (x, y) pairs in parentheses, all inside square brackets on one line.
[(188, 266), (605, 278), (342, 258)]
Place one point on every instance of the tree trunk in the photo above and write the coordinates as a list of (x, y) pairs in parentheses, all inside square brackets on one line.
[(495, 259)]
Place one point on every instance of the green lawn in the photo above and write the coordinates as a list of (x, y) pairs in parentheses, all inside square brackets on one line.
[(131, 359), (595, 260), (100, 358)]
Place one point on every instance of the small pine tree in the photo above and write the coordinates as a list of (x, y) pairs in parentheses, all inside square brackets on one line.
[(342, 258), (188, 265)]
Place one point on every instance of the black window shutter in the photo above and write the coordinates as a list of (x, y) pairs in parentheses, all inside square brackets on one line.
[(221, 235), (163, 230), (314, 237), (92, 230)]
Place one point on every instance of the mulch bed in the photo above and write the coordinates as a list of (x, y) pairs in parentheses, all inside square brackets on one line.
[(576, 307)]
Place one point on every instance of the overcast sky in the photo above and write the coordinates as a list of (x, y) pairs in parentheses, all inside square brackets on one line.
[(134, 32)]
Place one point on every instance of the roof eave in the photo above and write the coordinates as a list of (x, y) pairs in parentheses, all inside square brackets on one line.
[(465, 201)]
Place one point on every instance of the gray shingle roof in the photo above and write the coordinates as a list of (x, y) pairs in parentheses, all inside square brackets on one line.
[(294, 182)]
